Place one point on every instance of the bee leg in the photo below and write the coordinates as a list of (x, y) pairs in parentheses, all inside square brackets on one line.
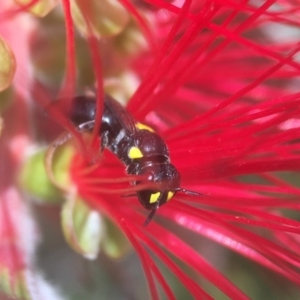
[(104, 141)]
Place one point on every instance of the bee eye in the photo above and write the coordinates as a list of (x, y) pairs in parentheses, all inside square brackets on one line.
[(145, 198)]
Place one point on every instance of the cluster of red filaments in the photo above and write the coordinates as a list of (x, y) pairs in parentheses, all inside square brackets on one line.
[(222, 89), (231, 124)]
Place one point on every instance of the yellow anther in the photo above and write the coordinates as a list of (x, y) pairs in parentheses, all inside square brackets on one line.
[(40, 8)]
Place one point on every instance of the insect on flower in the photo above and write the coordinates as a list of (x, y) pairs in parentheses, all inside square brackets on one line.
[(142, 151)]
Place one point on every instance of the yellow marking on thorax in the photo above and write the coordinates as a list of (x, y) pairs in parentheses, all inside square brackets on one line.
[(135, 152), (141, 126)]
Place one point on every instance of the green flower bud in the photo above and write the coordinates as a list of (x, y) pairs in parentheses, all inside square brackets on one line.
[(106, 17), (115, 244), (14, 285), (34, 179), (41, 8), (82, 227), (7, 65)]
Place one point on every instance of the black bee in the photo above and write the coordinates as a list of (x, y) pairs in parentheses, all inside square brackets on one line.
[(142, 151)]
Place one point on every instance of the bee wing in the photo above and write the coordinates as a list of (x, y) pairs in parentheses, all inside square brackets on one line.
[(124, 117)]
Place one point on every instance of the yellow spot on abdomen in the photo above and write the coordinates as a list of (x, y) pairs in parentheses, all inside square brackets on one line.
[(141, 126), (170, 195), (154, 197), (134, 153)]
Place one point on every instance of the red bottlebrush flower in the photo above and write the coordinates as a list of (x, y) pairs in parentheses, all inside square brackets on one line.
[(219, 83)]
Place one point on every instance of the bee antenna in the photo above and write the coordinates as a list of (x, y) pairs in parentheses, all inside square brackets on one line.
[(188, 192), (151, 215), (86, 126)]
